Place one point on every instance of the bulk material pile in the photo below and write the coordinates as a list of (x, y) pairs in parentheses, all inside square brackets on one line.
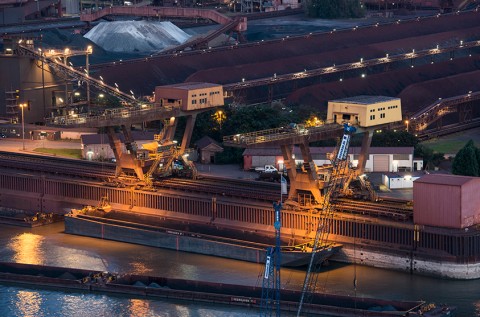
[(136, 36)]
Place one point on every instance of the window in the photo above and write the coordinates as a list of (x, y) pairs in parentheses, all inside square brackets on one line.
[(372, 117), (382, 115), (399, 157), (194, 101)]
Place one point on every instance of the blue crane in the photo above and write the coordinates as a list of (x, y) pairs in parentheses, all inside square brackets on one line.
[(271, 278), (340, 165)]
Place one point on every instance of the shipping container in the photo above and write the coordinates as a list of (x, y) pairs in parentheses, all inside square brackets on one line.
[(450, 201)]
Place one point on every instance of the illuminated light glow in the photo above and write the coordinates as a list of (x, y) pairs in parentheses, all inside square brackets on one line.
[(27, 248), (29, 303)]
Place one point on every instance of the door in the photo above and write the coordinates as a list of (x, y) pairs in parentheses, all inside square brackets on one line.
[(381, 163)]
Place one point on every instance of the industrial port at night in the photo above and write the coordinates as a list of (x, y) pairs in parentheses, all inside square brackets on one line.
[(167, 108)]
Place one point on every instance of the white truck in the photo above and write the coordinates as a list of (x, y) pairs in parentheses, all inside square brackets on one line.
[(266, 169)]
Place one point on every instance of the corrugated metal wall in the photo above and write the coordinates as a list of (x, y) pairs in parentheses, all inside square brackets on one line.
[(437, 205), (470, 202)]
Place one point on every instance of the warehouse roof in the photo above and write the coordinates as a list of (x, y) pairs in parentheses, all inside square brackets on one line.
[(275, 151), (446, 179), (103, 138), (365, 99), (190, 85)]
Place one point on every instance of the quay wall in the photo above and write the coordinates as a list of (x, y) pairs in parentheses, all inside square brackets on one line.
[(407, 261), (437, 251)]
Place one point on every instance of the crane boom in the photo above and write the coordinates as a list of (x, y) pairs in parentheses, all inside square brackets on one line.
[(340, 163)]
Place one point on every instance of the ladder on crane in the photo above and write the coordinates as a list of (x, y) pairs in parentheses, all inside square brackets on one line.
[(337, 179)]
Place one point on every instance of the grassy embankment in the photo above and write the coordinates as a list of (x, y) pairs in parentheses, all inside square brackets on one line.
[(451, 144), (68, 153)]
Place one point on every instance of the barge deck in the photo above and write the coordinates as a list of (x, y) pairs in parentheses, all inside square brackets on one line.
[(192, 237), (227, 294)]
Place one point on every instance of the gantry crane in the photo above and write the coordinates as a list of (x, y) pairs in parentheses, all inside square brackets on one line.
[(338, 177), (271, 278)]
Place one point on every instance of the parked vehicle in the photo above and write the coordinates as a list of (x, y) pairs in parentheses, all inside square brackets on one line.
[(3, 136), (266, 169), (295, 128)]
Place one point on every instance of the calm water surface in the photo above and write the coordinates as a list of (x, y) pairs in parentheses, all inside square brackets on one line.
[(50, 246)]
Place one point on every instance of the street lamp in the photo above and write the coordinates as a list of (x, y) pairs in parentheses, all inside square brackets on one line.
[(22, 106), (407, 122), (88, 51)]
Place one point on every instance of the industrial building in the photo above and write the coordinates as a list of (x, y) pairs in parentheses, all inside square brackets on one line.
[(189, 96), (380, 159), (450, 201), (18, 11), (399, 180), (96, 147), (365, 111)]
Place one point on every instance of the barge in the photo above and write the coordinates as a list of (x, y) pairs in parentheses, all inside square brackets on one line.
[(209, 292), (207, 239)]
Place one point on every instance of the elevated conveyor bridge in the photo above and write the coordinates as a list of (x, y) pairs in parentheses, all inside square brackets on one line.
[(53, 60), (435, 111), (361, 64), (284, 136), (135, 111)]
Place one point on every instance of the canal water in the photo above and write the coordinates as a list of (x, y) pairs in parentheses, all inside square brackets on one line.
[(50, 246)]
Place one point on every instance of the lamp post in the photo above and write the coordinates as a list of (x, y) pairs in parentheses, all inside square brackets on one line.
[(88, 51), (22, 106), (407, 122)]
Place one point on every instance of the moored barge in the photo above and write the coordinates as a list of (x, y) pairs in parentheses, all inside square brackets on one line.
[(191, 237), (199, 291)]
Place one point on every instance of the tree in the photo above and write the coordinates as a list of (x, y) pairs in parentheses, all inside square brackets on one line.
[(430, 158), (394, 138), (466, 161)]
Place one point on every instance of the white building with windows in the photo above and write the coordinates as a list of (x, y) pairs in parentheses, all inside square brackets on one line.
[(96, 147), (365, 111), (380, 159)]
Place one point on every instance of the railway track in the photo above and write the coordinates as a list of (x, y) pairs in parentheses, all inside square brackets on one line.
[(235, 188), (387, 209), (102, 171), (56, 165)]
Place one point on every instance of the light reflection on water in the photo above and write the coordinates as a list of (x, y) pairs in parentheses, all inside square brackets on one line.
[(28, 303), (27, 248), (15, 301), (50, 246)]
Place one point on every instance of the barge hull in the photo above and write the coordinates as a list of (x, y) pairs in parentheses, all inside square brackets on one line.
[(191, 290), (184, 241)]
